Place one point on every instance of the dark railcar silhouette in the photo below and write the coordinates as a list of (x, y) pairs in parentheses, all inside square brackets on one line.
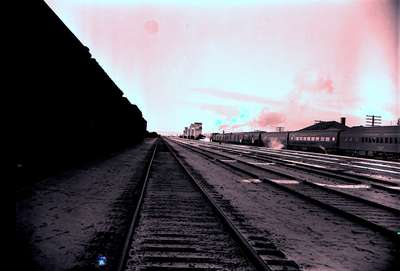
[(67, 109)]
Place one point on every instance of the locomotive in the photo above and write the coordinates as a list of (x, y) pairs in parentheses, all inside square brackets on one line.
[(326, 137)]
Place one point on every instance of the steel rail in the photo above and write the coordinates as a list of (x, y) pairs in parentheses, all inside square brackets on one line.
[(348, 176), (247, 248), (135, 217), (287, 175), (380, 228), (329, 172)]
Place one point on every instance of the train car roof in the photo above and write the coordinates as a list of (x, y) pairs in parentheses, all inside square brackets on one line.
[(374, 129)]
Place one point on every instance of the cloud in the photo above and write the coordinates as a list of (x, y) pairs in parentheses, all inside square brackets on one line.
[(267, 119), (264, 120), (313, 81), (233, 95), (222, 110), (320, 71), (231, 127)]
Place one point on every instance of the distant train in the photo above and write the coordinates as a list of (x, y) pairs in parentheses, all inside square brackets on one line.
[(326, 137)]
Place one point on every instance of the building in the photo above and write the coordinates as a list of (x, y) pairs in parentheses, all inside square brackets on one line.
[(194, 130)]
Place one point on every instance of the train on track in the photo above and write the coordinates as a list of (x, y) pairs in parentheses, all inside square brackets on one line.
[(327, 137)]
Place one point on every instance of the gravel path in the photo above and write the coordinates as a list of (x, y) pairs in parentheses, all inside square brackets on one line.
[(313, 237), (67, 220)]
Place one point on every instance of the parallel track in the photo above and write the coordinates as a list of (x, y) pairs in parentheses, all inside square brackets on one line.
[(371, 214), (331, 175), (179, 225), (348, 176)]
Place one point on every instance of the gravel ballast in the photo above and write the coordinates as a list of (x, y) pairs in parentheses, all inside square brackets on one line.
[(66, 221), (311, 236)]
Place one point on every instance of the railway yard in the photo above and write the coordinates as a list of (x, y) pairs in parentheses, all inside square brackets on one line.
[(179, 204), (95, 190)]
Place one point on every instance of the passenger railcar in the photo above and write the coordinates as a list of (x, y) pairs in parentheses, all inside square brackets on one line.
[(275, 140), (325, 141), (326, 137), (245, 138), (252, 138), (371, 141)]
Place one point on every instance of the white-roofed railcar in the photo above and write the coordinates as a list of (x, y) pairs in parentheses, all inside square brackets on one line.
[(371, 141)]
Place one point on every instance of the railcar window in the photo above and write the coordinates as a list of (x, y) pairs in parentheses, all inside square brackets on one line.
[(333, 138), (327, 139), (395, 140), (390, 140), (317, 138), (381, 140), (386, 140)]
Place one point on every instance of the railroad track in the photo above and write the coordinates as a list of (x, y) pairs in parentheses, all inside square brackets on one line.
[(374, 215), (343, 174), (369, 189), (388, 186), (181, 224)]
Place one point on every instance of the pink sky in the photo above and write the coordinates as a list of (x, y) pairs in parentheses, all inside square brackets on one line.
[(248, 65)]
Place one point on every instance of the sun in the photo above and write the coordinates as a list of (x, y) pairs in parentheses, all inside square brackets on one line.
[(151, 26)]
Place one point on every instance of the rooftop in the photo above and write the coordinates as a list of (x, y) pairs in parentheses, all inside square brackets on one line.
[(325, 125)]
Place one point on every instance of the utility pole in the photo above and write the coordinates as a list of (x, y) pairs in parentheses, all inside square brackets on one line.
[(373, 120)]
